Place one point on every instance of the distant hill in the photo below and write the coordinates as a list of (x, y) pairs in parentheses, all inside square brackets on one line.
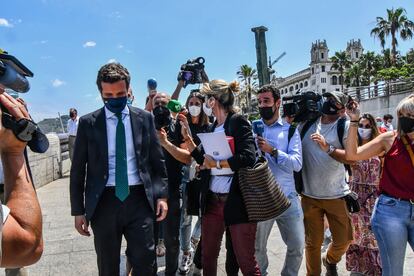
[(53, 124)]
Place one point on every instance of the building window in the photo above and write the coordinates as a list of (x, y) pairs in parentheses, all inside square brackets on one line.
[(356, 54), (296, 86), (323, 68), (323, 80), (336, 89), (313, 70), (301, 85), (306, 83), (313, 81), (322, 56), (334, 80), (291, 88), (286, 90), (323, 90)]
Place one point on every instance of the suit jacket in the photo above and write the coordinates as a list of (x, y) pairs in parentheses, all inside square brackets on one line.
[(89, 171), (245, 156)]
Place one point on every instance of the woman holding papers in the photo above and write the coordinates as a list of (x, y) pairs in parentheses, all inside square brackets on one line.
[(222, 204)]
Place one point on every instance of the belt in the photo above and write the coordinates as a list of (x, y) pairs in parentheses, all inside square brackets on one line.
[(72, 135), (222, 197), (400, 199)]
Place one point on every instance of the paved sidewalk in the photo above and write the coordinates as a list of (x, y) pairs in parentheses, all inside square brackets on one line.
[(67, 253)]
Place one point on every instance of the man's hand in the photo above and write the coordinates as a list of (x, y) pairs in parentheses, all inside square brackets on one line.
[(184, 126), (82, 225), (162, 136), (353, 111), (8, 141), (264, 145), (162, 209), (321, 141)]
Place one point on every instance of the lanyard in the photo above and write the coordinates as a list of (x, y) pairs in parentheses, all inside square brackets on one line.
[(409, 149)]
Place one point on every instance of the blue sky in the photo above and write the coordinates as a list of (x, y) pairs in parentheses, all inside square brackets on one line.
[(64, 42)]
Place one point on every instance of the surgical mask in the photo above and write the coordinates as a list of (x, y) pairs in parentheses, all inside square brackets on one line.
[(329, 108), (194, 110), (129, 101), (407, 124), (207, 110), (364, 133), (115, 105), (266, 113)]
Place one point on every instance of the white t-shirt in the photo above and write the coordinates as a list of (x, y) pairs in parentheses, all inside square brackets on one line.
[(220, 183)]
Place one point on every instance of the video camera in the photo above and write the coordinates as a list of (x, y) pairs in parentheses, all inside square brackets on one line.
[(162, 114), (303, 107), (13, 73), (193, 72)]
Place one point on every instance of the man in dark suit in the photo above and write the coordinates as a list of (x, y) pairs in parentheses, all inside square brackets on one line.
[(118, 177)]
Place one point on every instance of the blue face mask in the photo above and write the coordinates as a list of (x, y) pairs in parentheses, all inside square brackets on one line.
[(129, 101), (115, 105)]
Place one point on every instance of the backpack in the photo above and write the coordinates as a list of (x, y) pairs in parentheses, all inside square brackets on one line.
[(340, 128)]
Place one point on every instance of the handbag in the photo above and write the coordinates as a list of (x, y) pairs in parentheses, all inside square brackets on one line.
[(262, 195), (352, 203)]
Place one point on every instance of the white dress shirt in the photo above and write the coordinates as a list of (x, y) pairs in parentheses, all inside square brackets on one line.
[(73, 126), (111, 122)]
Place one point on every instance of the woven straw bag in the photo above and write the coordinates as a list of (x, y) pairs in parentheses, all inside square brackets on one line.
[(261, 193)]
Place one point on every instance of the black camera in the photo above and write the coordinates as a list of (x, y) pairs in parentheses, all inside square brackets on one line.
[(13, 73), (193, 72), (162, 117), (303, 107)]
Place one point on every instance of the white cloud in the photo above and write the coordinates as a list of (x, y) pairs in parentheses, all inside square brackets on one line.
[(111, 60), (5, 23), (58, 83), (89, 44), (120, 46), (116, 15), (43, 41)]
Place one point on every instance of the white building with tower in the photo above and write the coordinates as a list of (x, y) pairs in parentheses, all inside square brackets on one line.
[(319, 76)]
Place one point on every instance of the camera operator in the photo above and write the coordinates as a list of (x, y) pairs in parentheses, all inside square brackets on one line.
[(22, 242), (324, 185), (283, 149), (176, 155)]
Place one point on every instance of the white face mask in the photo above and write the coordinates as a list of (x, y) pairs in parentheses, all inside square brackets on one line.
[(194, 110), (207, 110), (364, 133)]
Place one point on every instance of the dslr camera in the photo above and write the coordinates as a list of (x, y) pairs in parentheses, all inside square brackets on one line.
[(192, 72), (304, 106), (13, 76)]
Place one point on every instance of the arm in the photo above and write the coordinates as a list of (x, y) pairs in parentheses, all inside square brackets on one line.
[(177, 90), (22, 242), (293, 158), (182, 155)]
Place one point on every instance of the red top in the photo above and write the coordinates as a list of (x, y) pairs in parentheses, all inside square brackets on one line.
[(398, 172)]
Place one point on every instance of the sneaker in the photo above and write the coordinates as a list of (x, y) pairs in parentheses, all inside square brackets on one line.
[(160, 249), (196, 271), (186, 262), (331, 269)]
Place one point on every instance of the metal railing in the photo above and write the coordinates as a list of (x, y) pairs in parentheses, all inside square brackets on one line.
[(382, 89)]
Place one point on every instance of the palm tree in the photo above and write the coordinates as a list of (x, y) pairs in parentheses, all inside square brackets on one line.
[(354, 77), (341, 61), (248, 77), (395, 23)]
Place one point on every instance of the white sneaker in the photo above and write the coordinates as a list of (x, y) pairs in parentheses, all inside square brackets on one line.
[(196, 271), (186, 262)]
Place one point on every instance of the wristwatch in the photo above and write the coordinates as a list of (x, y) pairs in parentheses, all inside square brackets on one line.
[(218, 166), (274, 152), (331, 149)]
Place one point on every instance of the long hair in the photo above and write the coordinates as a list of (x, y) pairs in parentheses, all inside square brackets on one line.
[(223, 92), (374, 128), (203, 119)]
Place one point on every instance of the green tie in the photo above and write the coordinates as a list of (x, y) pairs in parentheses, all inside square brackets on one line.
[(121, 169)]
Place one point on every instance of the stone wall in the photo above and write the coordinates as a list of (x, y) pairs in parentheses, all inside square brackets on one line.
[(46, 167)]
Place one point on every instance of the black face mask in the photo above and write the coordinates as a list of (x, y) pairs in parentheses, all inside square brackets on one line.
[(266, 112), (329, 108), (407, 124)]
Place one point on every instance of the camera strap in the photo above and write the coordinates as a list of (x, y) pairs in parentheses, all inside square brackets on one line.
[(408, 148), (23, 128)]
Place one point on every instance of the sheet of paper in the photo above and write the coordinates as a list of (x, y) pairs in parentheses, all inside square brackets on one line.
[(215, 144)]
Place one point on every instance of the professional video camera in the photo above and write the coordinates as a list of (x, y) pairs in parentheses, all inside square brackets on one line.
[(193, 72), (162, 114), (304, 106), (13, 76), (13, 73)]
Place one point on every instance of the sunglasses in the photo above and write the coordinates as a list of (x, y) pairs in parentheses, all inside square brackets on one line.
[(368, 126)]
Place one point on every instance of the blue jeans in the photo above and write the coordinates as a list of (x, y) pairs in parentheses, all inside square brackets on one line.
[(393, 226), (292, 230)]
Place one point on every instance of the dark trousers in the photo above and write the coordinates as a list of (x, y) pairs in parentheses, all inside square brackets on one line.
[(232, 267), (242, 238), (132, 218), (171, 227)]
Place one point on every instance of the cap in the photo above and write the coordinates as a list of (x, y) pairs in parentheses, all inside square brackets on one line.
[(338, 96)]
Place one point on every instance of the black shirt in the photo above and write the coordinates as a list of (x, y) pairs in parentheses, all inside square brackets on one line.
[(196, 129)]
